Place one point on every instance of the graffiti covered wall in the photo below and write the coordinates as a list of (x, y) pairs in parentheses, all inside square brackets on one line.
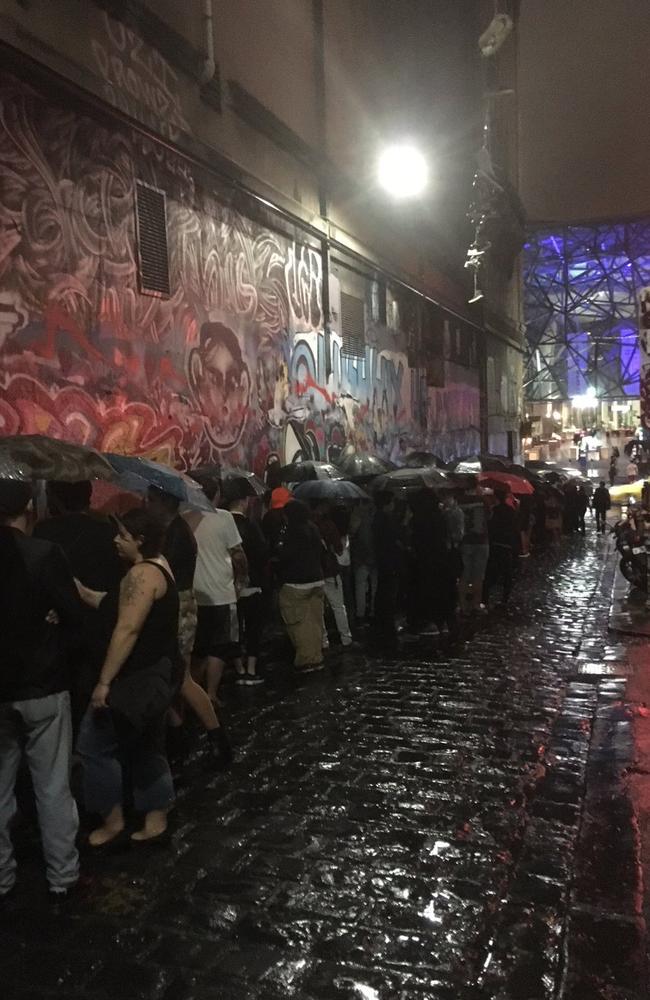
[(233, 366)]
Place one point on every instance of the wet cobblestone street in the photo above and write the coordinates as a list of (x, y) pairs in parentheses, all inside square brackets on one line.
[(442, 826)]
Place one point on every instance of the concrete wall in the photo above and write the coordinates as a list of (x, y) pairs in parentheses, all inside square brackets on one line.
[(584, 145)]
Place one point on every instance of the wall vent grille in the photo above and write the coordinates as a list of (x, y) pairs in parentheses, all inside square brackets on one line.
[(353, 327), (151, 233)]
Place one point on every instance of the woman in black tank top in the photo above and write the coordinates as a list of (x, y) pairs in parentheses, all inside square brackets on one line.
[(125, 721)]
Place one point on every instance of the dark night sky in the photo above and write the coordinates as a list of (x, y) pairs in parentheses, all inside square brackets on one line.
[(584, 94)]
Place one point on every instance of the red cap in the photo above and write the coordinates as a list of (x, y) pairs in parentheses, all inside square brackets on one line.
[(280, 497)]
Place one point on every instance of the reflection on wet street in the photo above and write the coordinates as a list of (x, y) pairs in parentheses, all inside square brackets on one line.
[(441, 825)]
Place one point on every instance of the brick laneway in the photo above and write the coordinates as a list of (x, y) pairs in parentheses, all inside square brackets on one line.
[(393, 830)]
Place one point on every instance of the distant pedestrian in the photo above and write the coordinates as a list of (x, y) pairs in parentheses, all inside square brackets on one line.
[(475, 551), (554, 506), (434, 593), (180, 551), (333, 548), (582, 506), (253, 596), (455, 523), (571, 507), (583, 454), (525, 517), (601, 503), (364, 567), (221, 570), (389, 555), (502, 530), (300, 571), (613, 468)]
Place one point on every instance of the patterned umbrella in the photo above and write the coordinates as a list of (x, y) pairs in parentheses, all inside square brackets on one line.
[(35, 456)]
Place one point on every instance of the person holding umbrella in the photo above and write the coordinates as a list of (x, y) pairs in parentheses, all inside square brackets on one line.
[(601, 503), (221, 571), (180, 551), (389, 557), (253, 597), (333, 549), (299, 568), (35, 718), (502, 531)]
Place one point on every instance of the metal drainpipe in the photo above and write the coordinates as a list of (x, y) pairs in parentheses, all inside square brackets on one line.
[(209, 66), (318, 21)]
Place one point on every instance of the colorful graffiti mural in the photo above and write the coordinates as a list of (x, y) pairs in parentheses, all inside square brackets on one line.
[(233, 366)]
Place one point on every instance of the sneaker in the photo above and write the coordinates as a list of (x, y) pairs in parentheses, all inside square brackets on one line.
[(241, 678), (311, 668), (253, 679), (57, 896)]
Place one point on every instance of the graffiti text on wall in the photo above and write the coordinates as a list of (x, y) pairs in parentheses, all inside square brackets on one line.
[(231, 367)]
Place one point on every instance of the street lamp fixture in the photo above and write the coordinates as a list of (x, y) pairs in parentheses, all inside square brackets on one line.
[(402, 171)]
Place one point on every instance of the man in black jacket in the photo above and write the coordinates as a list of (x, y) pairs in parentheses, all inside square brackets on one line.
[(252, 602), (502, 532), (389, 555), (601, 502), (38, 603)]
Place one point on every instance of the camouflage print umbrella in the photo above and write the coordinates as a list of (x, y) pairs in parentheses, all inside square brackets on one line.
[(35, 456)]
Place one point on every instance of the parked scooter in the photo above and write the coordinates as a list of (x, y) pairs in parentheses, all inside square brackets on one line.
[(633, 543)]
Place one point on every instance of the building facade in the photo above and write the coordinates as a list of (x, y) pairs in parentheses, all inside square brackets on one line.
[(195, 264)]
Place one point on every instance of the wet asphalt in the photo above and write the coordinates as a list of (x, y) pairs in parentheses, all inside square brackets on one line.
[(445, 824)]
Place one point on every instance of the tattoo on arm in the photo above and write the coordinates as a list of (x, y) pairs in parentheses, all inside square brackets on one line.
[(130, 589), (239, 563)]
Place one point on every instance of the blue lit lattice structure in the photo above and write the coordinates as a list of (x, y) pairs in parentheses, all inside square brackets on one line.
[(581, 288)]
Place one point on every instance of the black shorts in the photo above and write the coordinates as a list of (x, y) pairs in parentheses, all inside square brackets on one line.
[(217, 632)]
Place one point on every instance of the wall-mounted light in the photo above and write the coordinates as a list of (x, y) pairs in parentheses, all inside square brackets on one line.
[(402, 171)]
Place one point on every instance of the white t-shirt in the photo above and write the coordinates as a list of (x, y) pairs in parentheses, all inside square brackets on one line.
[(216, 534)]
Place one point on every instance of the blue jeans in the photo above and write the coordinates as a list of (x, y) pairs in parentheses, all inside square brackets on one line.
[(105, 747), (41, 728)]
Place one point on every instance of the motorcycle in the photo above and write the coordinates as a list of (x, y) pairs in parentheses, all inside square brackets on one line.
[(633, 547)]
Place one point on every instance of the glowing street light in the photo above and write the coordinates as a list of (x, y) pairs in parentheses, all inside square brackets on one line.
[(402, 171)]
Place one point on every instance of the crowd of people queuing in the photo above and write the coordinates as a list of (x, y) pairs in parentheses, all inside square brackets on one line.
[(117, 632)]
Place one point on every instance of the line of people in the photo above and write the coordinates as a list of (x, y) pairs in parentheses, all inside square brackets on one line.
[(114, 630)]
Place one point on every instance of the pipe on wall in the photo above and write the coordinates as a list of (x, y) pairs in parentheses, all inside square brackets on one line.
[(209, 65)]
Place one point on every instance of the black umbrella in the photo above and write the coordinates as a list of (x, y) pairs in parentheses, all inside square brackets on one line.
[(336, 490), (36, 456), (412, 479), (226, 473), (362, 466), (302, 472), (481, 463), (424, 460)]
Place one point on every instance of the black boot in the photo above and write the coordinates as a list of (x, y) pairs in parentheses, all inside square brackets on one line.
[(220, 746)]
